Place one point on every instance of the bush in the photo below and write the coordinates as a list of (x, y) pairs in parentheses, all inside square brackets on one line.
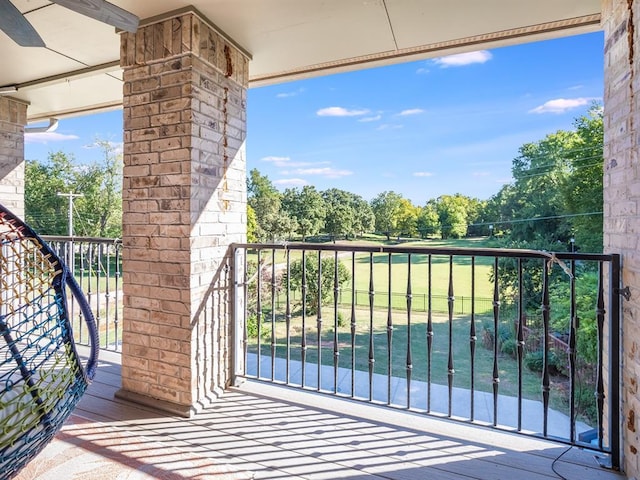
[(314, 291), (505, 335), (510, 347), (252, 328), (534, 361)]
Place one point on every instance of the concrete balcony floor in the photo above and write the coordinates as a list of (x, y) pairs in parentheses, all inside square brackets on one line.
[(268, 432)]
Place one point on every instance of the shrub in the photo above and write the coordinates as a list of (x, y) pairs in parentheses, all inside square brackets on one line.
[(317, 294), (505, 335), (510, 347), (534, 361), (252, 328)]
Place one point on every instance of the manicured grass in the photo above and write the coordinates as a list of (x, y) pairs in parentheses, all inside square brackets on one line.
[(437, 362), (99, 284), (363, 266), (424, 363), (419, 278)]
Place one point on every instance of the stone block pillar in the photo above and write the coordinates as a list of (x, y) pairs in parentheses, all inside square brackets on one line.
[(184, 203), (621, 23), (13, 118)]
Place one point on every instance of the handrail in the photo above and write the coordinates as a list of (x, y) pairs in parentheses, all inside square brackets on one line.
[(282, 338), (478, 252), (95, 263)]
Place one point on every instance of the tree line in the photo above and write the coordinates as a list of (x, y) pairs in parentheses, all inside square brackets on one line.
[(556, 196), (306, 212)]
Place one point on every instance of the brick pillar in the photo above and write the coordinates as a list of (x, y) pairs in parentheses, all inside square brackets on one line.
[(13, 118), (621, 23), (184, 203)]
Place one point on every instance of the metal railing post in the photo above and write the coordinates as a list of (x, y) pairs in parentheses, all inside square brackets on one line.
[(614, 362), (237, 344)]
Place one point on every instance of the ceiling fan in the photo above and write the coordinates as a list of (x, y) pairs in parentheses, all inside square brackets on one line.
[(16, 26)]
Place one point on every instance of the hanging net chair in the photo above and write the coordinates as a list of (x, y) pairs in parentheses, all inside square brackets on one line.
[(42, 377)]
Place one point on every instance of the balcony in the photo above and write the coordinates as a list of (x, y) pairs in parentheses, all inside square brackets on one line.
[(263, 431), (398, 370)]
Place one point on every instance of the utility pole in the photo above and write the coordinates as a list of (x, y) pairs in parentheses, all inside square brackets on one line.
[(70, 251), (70, 196)]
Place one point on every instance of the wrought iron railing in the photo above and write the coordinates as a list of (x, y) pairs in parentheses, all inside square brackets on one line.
[(534, 349), (96, 264), (497, 365)]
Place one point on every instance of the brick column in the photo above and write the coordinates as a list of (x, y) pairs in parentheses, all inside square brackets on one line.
[(13, 118), (184, 202), (621, 23)]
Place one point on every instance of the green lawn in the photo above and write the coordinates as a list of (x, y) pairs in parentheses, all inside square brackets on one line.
[(419, 278), (438, 361), (422, 362), (440, 274)]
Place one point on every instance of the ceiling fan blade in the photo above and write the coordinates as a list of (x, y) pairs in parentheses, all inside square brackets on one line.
[(103, 11), (13, 23)]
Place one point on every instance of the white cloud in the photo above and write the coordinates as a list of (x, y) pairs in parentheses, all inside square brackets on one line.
[(116, 147), (277, 161), (422, 174), (327, 172), (290, 94), (340, 112), (285, 162), (411, 111), (462, 59), (370, 119), (422, 71), (291, 182), (46, 137), (561, 105)]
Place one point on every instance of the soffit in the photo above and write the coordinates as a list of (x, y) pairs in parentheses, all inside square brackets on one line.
[(287, 39)]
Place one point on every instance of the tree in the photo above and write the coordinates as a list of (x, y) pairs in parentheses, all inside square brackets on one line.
[(363, 218), (273, 222), (582, 191), (252, 225), (557, 192), (307, 207), (453, 214), (501, 208), (476, 218), (539, 171), (101, 186), (98, 212), (428, 222), (408, 218), (45, 211), (340, 216), (586, 308), (386, 207), (315, 296)]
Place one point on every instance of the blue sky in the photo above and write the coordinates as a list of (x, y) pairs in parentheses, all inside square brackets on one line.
[(423, 129)]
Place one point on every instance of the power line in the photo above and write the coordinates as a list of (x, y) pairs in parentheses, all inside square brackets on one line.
[(534, 219), (71, 197)]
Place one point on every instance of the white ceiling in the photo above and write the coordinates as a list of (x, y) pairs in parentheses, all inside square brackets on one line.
[(78, 70)]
